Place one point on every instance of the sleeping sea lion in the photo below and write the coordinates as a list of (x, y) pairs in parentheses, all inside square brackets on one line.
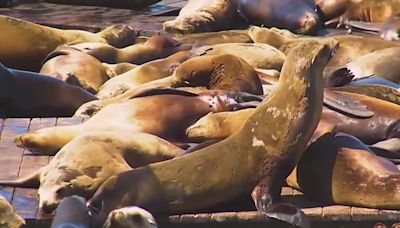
[(84, 163), (348, 174), (211, 38), (155, 47), (25, 44), (28, 94), (76, 68), (125, 4), (331, 9), (165, 113), (212, 175), (130, 217), (146, 72), (8, 217), (203, 16), (216, 72), (296, 15), (378, 91), (72, 212), (118, 68)]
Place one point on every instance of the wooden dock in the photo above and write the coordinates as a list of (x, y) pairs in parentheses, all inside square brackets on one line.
[(16, 162)]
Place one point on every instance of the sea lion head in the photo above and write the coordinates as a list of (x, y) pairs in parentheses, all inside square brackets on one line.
[(119, 35), (130, 217), (272, 36)]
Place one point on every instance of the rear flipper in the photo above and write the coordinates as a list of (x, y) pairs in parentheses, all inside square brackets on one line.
[(31, 181), (339, 77)]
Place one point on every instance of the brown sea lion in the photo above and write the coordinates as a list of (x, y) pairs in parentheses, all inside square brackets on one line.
[(350, 48), (378, 91), (218, 72), (84, 163), (8, 217), (296, 15), (24, 45), (76, 68), (118, 68), (155, 47), (211, 38), (348, 174), (331, 9), (28, 94), (165, 113), (130, 217), (126, 4), (71, 212), (203, 16), (212, 175), (144, 73)]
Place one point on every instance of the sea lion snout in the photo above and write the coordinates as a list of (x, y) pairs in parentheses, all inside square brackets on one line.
[(130, 217)]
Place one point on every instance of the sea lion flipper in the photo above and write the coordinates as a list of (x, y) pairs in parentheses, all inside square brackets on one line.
[(389, 148), (368, 26), (31, 181), (346, 104), (339, 77)]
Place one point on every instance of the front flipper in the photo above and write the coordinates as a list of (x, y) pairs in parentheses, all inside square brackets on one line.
[(31, 181)]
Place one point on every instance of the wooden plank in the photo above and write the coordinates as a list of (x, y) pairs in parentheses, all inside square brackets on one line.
[(365, 214), (389, 215), (28, 207), (336, 213)]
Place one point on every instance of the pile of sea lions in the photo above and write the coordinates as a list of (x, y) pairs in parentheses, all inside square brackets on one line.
[(190, 119)]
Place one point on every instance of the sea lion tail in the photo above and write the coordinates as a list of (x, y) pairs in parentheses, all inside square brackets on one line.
[(31, 181), (288, 213)]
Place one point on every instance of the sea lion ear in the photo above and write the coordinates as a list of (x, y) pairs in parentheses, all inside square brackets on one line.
[(346, 105)]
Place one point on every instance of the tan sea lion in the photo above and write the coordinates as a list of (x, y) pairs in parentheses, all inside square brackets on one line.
[(76, 68), (144, 73), (203, 16), (211, 38), (84, 163), (130, 217), (378, 91), (118, 68), (220, 72), (155, 47), (8, 217), (300, 17), (28, 94), (195, 181), (149, 112), (348, 174), (25, 44), (127, 4), (71, 212), (350, 48)]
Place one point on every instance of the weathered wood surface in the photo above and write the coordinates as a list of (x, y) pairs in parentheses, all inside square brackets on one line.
[(15, 162)]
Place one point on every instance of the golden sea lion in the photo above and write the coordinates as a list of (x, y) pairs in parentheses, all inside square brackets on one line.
[(348, 174), (25, 44), (146, 72), (76, 68), (29, 94), (71, 212), (125, 4), (211, 38), (8, 217), (212, 175), (378, 91), (203, 16), (300, 17), (165, 113), (350, 48), (84, 163), (130, 217), (218, 72), (155, 47)]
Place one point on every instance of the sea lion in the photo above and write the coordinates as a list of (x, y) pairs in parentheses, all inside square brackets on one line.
[(149, 113), (331, 9), (156, 47), (76, 68), (348, 174), (71, 212), (350, 48), (216, 72), (300, 17), (130, 217), (118, 68), (378, 91), (25, 44), (127, 4), (257, 55), (84, 163), (28, 94), (211, 38), (146, 72), (203, 16), (8, 217), (194, 181)]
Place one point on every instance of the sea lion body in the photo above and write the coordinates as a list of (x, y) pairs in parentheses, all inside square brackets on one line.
[(28, 94), (334, 8), (378, 91), (130, 217), (212, 175), (76, 68), (8, 217), (211, 38), (375, 11), (296, 15)]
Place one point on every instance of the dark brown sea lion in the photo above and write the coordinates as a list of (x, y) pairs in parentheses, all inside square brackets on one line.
[(76, 68), (24, 45), (203, 16), (167, 114), (84, 163), (212, 175), (295, 15), (155, 47), (72, 212), (8, 217), (348, 173), (215, 72), (28, 94), (144, 73), (130, 217), (125, 4)]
